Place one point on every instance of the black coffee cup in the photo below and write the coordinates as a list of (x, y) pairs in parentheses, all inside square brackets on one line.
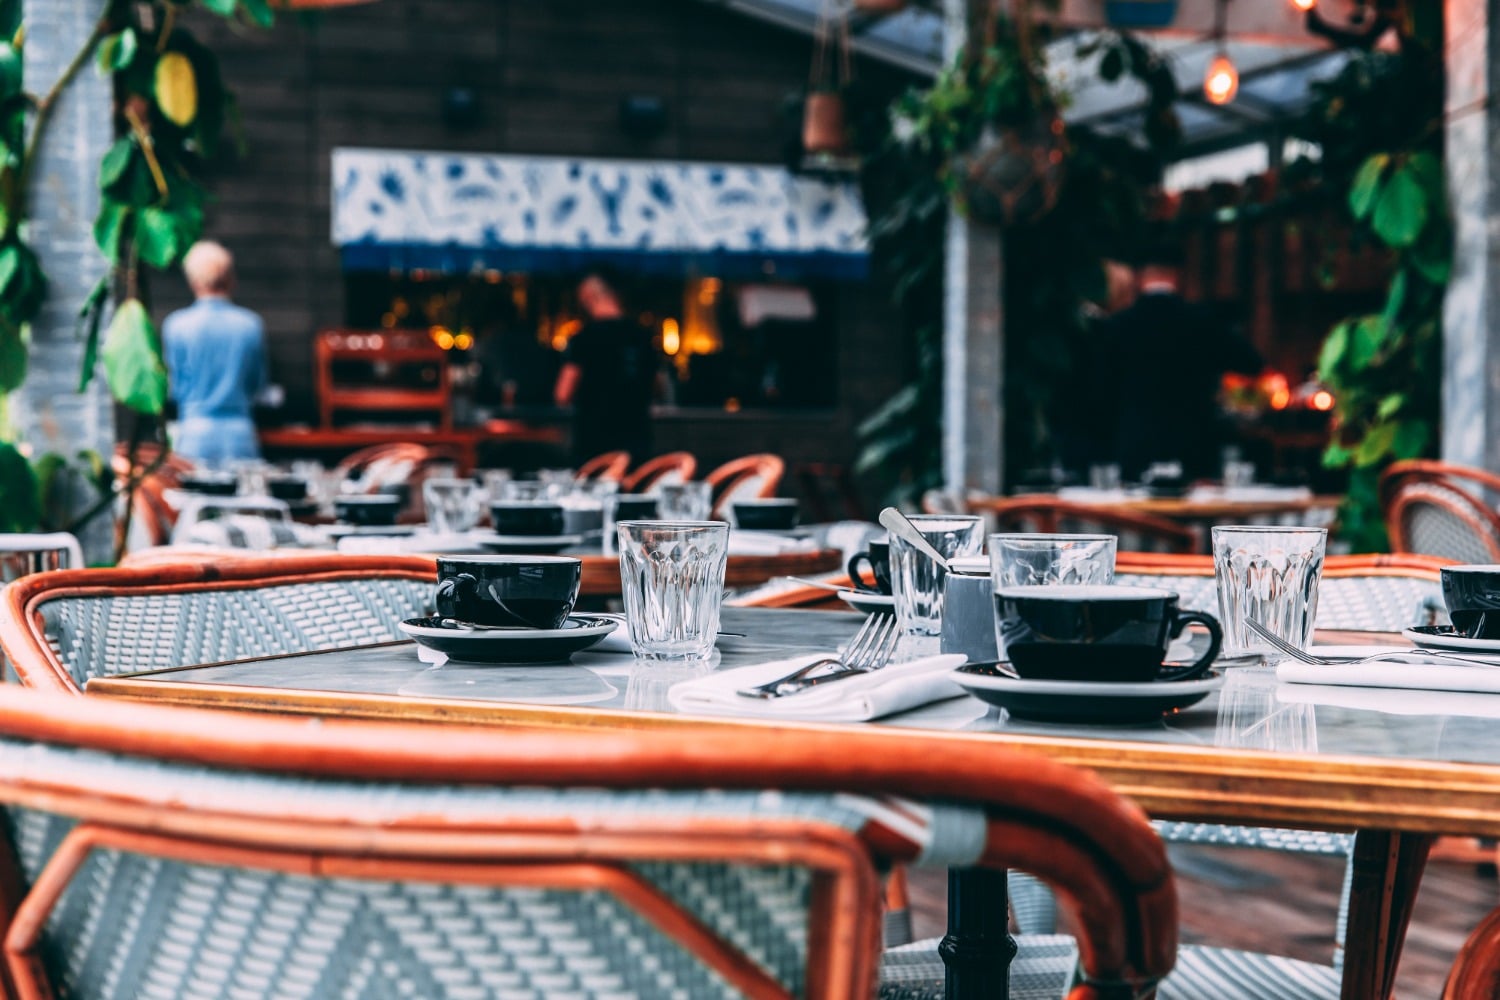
[(525, 591), (1097, 633), (771, 514), (635, 507), (877, 556), (209, 484), (526, 517), (292, 489), (1472, 594), (367, 510)]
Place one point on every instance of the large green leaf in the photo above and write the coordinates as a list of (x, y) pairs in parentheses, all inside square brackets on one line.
[(1401, 210), (13, 357), (1367, 185), (109, 227), (224, 8), (1394, 300), (1331, 357), (117, 51), (132, 360), (116, 162), (158, 237), (260, 12), (20, 503), (1411, 439), (1376, 444), (89, 318), (10, 263)]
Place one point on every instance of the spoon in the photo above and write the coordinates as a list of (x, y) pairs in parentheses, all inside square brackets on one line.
[(897, 523)]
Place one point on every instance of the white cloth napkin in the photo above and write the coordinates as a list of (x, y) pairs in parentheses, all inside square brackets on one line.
[(765, 543), (1391, 701), (1250, 494), (892, 689), (1482, 678)]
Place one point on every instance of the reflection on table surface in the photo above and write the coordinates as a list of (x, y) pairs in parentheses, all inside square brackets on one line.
[(1252, 711)]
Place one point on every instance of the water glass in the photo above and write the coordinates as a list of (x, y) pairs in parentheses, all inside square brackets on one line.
[(1029, 560), (493, 481), (530, 491), (917, 581), (1269, 574), (452, 505), (1105, 477), (1238, 475), (672, 579), (684, 501), (628, 507)]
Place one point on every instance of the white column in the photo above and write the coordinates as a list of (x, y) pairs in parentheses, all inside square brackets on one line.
[(973, 345)]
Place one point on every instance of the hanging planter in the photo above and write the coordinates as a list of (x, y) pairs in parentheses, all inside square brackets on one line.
[(1015, 175), (824, 128), (1140, 13)]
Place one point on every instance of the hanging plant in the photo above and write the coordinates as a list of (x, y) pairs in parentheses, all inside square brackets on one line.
[(825, 129)]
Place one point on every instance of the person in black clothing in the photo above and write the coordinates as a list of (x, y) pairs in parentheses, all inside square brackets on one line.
[(609, 376), (1166, 358)]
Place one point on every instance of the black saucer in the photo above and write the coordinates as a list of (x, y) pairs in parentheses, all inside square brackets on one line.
[(1087, 702), (477, 645)]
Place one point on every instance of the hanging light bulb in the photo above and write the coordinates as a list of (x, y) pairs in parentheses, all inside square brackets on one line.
[(1222, 81), (1304, 5)]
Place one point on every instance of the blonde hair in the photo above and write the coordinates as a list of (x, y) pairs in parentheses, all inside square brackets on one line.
[(209, 268)]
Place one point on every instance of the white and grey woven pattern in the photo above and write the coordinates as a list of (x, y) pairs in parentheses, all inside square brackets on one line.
[(1044, 966), (1353, 603), (1263, 838), (1433, 529), (242, 531), (124, 633)]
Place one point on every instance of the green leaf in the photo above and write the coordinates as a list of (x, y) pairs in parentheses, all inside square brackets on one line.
[(1400, 211), (1336, 456), (1332, 355), (1394, 300), (224, 8), (20, 504), (10, 263), (13, 357), (1411, 439), (1365, 341), (1389, 405), (158, 237), (1367, 185), (132, 360), (89, 318), (109, 228), (118, 51), (1376, 445), (260, 12), (116, 162)]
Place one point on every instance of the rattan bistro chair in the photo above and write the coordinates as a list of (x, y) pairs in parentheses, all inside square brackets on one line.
[(673, 467), (60, 629), (178, 853)]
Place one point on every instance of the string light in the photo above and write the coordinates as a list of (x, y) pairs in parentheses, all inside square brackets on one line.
[(1222, 81), (1304, 5)]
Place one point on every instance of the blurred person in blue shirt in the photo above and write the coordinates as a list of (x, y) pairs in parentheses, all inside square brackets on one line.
[(216, 362)]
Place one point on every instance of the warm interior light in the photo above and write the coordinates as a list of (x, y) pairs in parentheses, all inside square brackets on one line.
[(1222, 81), (1281, 399), (671, 336), (442, 337), (1304, 5), (463, 341), (1322, 400)]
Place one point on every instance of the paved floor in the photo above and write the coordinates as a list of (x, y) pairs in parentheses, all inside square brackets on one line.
[(1287, 905)]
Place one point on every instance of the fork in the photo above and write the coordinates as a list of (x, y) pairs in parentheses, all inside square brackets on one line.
[(1399, 656), (871, 648)]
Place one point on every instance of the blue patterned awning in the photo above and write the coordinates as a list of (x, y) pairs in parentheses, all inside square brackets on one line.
[(459, 212)]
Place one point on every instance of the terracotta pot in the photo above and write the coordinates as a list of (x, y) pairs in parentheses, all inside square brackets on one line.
[(1015, 175), (880, 6), (823, 126)]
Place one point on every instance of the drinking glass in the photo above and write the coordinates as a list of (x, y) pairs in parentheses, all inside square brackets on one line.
[(918, 581), (672, 579), (1269, 574), (619, 507), (1028, 560), (1105, 477), (530, 491), (452, 505), (684, 501), (1238, 475), (494, 481)]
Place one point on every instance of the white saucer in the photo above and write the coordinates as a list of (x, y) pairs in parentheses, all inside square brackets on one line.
[(1441, 637), (870, 604)]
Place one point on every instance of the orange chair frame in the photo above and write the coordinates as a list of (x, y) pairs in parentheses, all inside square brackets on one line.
[(1063, 824), (643, 478), (767, 467), (1462, 503), (611, 466)]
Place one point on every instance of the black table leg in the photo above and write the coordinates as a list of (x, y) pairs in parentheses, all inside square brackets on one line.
[(978, 948)]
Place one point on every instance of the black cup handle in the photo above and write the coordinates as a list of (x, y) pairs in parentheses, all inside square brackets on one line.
[(859, 582), (1215, 639), (449, 594)]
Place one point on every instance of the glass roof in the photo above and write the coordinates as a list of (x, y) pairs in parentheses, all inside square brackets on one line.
[(1275, 79)]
